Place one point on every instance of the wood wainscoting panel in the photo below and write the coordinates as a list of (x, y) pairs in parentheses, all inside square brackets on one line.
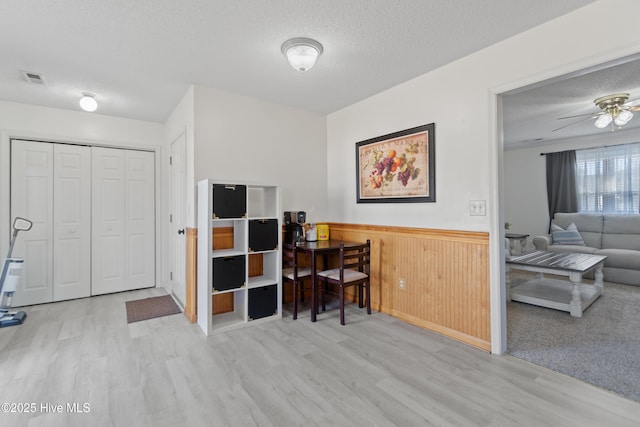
[(446, 276), (222, 238), (192, 268), (256, 264), (223, 303)]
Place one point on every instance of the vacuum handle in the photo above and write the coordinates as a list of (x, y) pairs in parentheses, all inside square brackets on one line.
[(19, 224), (22, 224)]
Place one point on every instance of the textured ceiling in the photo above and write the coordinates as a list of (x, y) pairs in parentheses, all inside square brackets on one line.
[(140, 56), (532, 115)]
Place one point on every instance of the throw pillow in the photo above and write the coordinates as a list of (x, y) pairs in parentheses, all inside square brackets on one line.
[(570, 236)]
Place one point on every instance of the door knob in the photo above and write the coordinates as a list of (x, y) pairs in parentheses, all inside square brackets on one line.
[(181, 231)]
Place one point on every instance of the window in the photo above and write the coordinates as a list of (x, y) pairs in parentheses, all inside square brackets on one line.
[(608, 179)]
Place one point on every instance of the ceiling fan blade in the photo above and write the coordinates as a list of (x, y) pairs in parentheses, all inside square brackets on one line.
[(636, 108), (576, 122), (581, 115)]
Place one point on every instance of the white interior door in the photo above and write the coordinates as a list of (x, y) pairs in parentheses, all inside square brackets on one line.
[(72, 221), (32, 198), (108, 225), (139, 219), (123, 229), (177, 232)]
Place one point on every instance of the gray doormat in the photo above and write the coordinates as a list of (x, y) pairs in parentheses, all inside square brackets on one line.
[(149, 308)]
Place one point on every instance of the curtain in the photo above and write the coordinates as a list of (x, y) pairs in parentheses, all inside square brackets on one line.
[(608, 179), (561, 183)]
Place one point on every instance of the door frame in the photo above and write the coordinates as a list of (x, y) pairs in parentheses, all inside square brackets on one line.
[(499, 338), (173, 240)]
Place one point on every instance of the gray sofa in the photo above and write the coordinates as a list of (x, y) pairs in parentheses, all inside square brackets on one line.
[(616, 236)]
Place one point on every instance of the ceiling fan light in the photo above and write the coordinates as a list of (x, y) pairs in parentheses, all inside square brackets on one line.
[(623, 117), (301, 53), (88, 102), (603, 121)]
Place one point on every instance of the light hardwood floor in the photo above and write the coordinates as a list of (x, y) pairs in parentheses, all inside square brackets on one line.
[(376, 370)]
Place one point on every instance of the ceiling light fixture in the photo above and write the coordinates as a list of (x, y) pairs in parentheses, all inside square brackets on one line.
[(88, 102), (603, 121), (623, 117), (301, 52), (613, 110)]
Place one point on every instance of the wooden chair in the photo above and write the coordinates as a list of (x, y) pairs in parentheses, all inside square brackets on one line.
[(353, 271), (291, 272)]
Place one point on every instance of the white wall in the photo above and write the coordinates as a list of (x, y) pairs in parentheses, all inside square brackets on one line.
[(525, 182), (51, 124), (461, 176), (461, 99), (237, 138), (245, 139)]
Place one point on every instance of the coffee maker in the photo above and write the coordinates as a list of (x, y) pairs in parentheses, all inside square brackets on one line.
[(294, 231)]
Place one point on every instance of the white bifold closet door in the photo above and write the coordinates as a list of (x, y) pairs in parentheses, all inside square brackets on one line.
[(93, 213), (50, 185), (72, 222), (123, 206)]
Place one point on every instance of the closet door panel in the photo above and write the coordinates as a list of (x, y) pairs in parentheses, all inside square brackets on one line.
[(72, 219), (140, 219), (108, 226), (93, 211), (32, 198)]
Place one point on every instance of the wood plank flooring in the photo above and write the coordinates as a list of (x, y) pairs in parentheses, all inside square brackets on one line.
[(375, 371)]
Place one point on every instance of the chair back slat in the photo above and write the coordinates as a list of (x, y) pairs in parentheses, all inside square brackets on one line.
[(289, 258), (352, 258), (355, 258)]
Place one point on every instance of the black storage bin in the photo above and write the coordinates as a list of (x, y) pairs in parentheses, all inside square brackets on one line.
[(263, 302), (263, 235), (229, 201), (228, 272)]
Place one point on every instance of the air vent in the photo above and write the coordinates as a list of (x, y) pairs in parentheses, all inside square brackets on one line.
[(35, 78)]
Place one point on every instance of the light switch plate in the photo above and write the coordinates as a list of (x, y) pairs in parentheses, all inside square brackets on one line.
[(478, 207)]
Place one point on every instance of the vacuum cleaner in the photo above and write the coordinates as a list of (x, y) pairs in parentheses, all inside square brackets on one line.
[(11, 270)]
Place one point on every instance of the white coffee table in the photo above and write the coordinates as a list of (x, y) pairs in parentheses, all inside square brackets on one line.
[(573, 296)]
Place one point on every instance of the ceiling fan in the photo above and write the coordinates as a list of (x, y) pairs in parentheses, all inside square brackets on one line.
[(616, 110)]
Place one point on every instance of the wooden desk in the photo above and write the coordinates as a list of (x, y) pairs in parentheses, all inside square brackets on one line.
[(321, 247)]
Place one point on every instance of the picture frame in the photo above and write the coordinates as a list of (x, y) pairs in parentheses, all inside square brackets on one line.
[(398, 167)]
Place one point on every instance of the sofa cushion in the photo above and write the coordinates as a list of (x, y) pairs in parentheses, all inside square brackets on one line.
[(621, 232), (622, 275), (621, 258), (570, 236), (589, 226), (573, 249)]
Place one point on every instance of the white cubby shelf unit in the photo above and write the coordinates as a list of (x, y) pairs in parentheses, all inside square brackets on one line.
[(253, 276)]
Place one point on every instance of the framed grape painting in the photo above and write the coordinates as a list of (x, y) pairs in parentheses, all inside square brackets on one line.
[(398, 167)]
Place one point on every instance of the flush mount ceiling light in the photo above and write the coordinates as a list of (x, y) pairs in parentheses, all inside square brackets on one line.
[(88, 102), (301, 52)]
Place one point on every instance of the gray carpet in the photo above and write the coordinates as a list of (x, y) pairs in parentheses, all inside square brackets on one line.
[(601, 348)]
